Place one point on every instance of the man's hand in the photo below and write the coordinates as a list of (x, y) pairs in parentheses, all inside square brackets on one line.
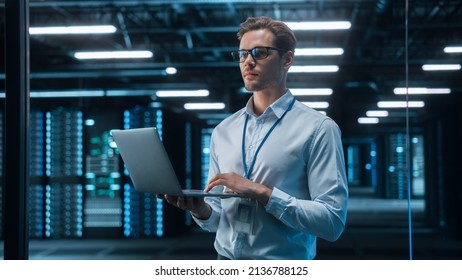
[(239, 184), (196, 205)]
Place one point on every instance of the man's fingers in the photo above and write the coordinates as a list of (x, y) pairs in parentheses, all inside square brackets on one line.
[(191, 203), (180, 202), (173, 200), (215, 182)]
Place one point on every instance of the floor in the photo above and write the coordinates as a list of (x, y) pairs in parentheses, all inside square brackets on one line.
[(355, 244)]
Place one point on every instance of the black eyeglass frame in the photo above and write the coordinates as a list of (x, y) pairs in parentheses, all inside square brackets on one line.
[(238, 58)]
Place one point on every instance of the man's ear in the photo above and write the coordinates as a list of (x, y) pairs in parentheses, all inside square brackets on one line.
[(288, 59)]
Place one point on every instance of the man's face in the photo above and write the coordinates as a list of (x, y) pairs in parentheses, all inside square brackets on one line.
[(264, 73)]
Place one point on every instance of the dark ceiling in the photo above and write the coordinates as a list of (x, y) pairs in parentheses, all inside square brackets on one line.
[(196, 37)]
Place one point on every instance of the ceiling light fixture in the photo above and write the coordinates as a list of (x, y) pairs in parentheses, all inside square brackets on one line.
[(314, 69), (59, 30), (128, 92), (455, 49), (368, 120), (377, 113), (204, 106), (86, 93), (182, 93), (319, 25), (441, 67), (400, 104), (171, 70), (317, 105), (67, 93), (311, 91), (422, 90), (113, 54), (318, 51)]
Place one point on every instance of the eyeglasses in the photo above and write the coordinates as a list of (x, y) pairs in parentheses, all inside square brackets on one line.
[(257, 53)]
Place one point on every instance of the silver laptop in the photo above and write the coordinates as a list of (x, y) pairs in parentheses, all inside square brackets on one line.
[(148, 164)]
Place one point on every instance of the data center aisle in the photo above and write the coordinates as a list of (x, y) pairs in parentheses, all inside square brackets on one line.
[(376, 230)]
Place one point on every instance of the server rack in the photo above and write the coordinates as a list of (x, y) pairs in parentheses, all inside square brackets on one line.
[(397, 177), (36, 191), (64, 170), (103, 193), (79, 187), (143, 212)]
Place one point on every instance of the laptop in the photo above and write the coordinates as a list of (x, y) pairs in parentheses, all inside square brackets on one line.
[(149, 166)]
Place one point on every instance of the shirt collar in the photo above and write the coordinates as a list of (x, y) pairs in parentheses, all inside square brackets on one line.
[(278, 107)]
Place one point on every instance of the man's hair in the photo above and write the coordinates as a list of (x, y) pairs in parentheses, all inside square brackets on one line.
[(284, 37)]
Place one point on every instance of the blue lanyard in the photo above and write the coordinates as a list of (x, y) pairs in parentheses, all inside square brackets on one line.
[(249, 171)]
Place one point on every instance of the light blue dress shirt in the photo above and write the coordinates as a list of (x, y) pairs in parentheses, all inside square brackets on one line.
[(302, 161)]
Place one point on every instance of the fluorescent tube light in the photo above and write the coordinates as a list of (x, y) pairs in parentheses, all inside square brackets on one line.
[(204, 106), (368, 120), (128, 92), (319, 25), (317, 105), (89, 122), (113, 54), (182, 93), (377, 113), (67, 93), (318, 51), (456, 49), (440, 67), (313, 69), (170, 70), (311, 91), (156, 104), (85, 93), (400, 104), (56, 30), (422, 90)]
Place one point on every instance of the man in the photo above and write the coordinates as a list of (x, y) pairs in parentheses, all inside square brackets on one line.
[(285, 158)]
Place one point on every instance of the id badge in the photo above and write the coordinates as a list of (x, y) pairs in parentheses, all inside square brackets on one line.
[(245, 216)]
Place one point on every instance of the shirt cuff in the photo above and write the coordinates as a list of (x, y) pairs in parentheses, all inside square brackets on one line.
[(278, 202), (207, 223)]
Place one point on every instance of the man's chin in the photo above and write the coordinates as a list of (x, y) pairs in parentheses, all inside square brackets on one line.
[(251, 88)]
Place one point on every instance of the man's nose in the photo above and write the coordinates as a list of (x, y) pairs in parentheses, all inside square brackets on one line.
[(249, 59)]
